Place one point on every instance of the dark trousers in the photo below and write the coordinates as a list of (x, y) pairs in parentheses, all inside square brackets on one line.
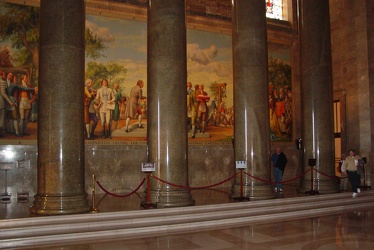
[(355, 179)]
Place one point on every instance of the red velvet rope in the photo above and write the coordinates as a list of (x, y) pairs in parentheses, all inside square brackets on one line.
[(333, 177), (122, 196), (213, 185), (272, 182), (193, 188)]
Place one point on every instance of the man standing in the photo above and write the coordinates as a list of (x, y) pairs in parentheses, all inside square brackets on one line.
[(350, 164), (279, 161), (132, 106)]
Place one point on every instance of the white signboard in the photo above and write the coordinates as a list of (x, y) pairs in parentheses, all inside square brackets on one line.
[(148, 167), (241, 164)]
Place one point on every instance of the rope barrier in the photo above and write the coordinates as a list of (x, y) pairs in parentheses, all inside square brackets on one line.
[(122, 196), (332, 177), (213, 185), (272, 182), (194, 188)]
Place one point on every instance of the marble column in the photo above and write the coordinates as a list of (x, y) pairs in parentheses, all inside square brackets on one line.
[(251, 98), (167, 98), (61, 182), (317, 96), (369, 167)]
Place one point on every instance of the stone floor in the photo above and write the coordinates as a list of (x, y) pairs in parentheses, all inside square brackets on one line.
[(345, 230)]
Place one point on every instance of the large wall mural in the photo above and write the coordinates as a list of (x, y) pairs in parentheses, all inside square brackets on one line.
[(116, 50)]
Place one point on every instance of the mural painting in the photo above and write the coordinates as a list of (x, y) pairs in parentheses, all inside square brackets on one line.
[(116, 61)]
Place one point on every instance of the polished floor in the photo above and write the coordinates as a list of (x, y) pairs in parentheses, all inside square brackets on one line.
[(352, 230)]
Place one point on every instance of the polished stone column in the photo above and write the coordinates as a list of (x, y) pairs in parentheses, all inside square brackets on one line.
[(369, 168), (61, 182), (167, 98), (317, 96), (251, 98)]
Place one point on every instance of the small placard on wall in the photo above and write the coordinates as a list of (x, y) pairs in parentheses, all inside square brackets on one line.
[(241, 164), (6, 165), (24, 163), (148, 167)]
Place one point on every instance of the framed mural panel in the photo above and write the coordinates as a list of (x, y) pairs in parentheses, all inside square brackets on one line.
[(116, 50), (280, 92)]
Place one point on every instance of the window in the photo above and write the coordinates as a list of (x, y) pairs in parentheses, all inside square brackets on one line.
[(274, 9)]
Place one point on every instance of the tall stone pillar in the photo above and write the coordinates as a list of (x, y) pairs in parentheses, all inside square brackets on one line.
[(167, 98), (251, 98), (61, 184), (317, 96), (369, 168)]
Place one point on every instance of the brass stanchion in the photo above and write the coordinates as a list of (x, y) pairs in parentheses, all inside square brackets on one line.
[(241, 165), (93, 209), (147, 168), (148, 204)]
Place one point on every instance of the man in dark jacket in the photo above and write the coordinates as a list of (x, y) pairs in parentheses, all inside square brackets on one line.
[(279, 161)]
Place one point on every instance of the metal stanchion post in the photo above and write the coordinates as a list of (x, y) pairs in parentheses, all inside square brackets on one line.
[(93, 209), (311, 163), (364, 172), (148, 168), (241, 165)]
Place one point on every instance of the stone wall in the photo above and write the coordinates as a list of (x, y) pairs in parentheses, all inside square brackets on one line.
[(350, 36)]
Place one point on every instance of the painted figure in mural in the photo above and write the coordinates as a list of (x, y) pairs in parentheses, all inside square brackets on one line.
[(87, 100), (12, 112), (288, 111), (191, 108), (116, 112), (92, 111), (34, 105), (132, 105), (202, 108), (106, 98), (274, 126), (24, 105), (4, 99), (212, 115)]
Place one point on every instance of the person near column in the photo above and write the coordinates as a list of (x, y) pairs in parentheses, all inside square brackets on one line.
[(4, 98), (279, 161), (343, 174), (118, 96), (132, 105), (202, 108), (350, 164), (87, 100), (24, 105), (106, 99)]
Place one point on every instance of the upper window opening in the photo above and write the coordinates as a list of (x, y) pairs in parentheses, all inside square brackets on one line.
[(274, 9)]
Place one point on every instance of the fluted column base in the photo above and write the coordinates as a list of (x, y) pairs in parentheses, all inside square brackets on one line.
[(60, 205)]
